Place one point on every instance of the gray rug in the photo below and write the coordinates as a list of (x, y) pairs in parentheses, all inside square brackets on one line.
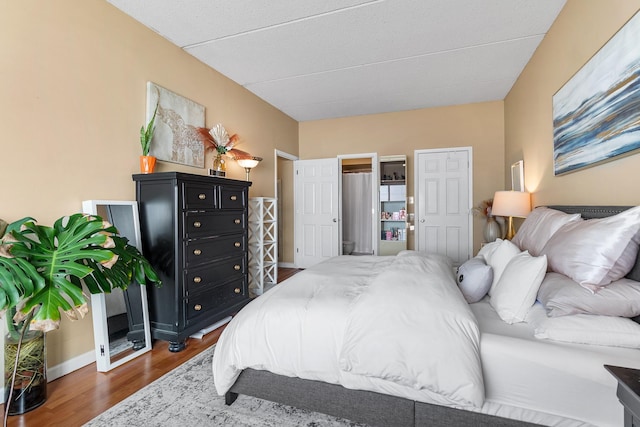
[(186, 397)]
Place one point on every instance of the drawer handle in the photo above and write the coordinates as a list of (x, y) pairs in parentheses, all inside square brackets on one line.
[(202, 196), (237, 290), (197, 307), (237, 267), (236, 221), (197, 224), (234, 198), (237, 244), (197, 252), (197, 279)]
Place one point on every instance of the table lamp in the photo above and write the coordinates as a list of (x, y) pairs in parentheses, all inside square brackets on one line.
[(511, 204), (249, 163)]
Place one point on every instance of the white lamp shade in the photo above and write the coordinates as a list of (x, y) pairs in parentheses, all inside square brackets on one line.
[(511, 203), (249, 163)]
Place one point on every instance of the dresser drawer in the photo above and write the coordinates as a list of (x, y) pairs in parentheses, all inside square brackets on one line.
[(212, 223), (198, 196), (232, 198), (201, 251), (200, 278), (215, 299)]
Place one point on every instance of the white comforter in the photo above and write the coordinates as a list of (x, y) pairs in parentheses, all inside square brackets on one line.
[(395, 325)]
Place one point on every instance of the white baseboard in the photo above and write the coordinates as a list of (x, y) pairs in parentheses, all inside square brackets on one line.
[(286, 265), (70, 365)]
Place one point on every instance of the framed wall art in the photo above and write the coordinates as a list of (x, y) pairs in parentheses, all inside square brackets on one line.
[(596, 114), (175, 138)]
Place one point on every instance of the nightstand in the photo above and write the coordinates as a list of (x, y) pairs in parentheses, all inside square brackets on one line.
[(628, 393)]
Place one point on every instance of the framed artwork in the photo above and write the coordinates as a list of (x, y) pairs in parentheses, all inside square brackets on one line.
[(517, 176), (596, 114), (175, 138)]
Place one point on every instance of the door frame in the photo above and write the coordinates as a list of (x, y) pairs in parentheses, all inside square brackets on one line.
[(375, 195), (278, 153), (416, 172)]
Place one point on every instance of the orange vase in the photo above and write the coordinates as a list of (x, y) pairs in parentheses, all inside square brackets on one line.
[(147, 164)]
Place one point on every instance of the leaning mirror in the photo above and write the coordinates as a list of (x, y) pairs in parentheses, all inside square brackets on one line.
[(120, 318)]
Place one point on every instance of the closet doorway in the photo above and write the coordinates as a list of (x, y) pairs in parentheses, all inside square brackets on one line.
[(358, 203)]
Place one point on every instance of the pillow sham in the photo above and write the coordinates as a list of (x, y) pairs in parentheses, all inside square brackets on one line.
[(587, 251), (585, 329), (539, 226), (474, 279), (517, 287), (499, 258), (562, 296)]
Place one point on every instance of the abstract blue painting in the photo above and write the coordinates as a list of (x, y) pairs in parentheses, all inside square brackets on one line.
[(596, 114)]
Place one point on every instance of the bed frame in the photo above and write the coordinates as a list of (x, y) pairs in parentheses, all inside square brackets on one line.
[(375, 408)]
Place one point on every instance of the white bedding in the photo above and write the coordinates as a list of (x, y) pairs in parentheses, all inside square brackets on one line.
[(325, 323), (524, 378)]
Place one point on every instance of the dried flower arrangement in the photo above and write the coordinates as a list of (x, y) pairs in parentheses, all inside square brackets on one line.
[(219, 140), (483, 210)]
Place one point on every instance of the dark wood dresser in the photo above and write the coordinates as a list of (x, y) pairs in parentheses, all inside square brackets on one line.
[(194, 233)]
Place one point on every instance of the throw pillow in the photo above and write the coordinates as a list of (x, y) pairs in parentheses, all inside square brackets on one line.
[(499, 258), (585, 329), (561, 296), (539, 226), (587, 251), (518, 286)]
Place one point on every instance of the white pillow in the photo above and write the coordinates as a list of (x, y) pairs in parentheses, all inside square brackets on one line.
[(489, 248), (518, 286), (499, 258), (562, 296), (587, 251), (585, 329), (474, 279), (539, 226)]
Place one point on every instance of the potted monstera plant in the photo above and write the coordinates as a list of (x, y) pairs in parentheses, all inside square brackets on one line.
[(43, 271)]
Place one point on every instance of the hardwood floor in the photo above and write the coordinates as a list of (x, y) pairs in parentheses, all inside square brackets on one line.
[(78, 397)]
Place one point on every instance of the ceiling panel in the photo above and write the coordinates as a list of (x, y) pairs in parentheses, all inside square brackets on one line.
[(351, 57)]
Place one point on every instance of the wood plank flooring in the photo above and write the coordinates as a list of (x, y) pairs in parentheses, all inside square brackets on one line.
[(78, 397)]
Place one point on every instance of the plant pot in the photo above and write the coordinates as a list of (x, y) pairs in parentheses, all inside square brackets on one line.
[(147, 164), (30, 387)]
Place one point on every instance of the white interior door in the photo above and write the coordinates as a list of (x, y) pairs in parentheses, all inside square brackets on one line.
[(316, 187), (443, 190)]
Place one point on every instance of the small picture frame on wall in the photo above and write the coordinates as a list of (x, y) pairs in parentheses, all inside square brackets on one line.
[(517, 176)]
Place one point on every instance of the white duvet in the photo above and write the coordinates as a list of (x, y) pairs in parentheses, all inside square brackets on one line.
[(394, 325)]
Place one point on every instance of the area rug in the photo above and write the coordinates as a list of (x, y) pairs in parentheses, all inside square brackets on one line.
[(186, 397)]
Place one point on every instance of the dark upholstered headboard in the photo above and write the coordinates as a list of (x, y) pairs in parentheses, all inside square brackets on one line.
[(591, 212)]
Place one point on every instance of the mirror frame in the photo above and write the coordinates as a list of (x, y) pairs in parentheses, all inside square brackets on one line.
[(517, 176), (98, 301)]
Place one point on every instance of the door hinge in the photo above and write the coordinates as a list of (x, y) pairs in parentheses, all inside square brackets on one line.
[(101, 350)]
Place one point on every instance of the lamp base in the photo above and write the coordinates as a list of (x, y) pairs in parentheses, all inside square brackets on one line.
[(510, 230)]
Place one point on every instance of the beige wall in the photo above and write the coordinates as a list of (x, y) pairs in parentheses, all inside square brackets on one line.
[(73, 76), (580, 30), (480, 126)]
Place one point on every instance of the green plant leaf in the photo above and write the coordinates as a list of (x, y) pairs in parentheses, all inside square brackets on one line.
[(50, 264)]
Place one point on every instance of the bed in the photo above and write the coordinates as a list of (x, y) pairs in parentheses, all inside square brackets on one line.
[(352, 338)]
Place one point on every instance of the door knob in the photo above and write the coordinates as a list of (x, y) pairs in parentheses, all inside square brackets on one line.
[(422, 220), (335, 220)]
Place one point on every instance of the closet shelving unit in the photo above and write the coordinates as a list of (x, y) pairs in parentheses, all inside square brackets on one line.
[(263, 244)]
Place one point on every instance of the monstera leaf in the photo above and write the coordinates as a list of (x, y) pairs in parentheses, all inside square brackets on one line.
[(43, 268)]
